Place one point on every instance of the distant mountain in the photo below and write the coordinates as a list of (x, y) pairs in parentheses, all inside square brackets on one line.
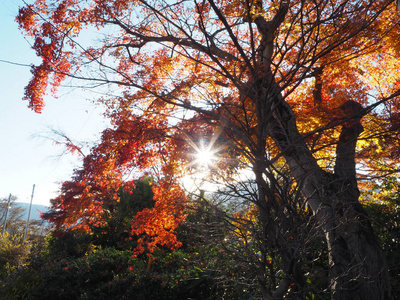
[(37, 209)]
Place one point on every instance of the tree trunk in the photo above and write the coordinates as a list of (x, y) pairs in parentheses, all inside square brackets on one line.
[(357, 266)]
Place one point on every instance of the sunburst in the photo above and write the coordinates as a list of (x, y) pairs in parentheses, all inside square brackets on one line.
[(203, 160), (204, 156)]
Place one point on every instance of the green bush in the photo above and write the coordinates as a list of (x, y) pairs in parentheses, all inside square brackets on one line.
[(114, 274), (13, 252), (20, 284)]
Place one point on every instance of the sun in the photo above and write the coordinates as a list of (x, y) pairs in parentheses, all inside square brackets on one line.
[(204, 157), (202, 164)]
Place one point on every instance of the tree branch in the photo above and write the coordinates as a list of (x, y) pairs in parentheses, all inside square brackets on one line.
[(345, 166), (189, 42), (267, 30)]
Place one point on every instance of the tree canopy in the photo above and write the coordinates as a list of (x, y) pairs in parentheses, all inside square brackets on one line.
[(303, 93)]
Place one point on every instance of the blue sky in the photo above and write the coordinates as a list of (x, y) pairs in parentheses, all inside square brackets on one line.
[(25, 159)]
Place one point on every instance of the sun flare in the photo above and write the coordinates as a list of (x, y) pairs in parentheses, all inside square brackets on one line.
[(202, 164), (204, 158)]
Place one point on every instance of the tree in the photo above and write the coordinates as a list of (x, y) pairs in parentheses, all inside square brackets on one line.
[(15, 216), (280, 86), (16, 219), (117, 232)]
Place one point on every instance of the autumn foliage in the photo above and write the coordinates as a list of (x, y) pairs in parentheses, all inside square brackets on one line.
[(302, 93), (165, 65), (83, 200)]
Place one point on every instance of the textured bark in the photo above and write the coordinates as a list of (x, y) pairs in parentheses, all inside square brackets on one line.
[(357, 266)]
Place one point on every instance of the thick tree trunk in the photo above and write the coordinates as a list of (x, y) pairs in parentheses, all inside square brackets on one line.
[(357, 266)]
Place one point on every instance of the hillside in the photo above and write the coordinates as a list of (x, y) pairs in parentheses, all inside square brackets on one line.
[(37, 209)]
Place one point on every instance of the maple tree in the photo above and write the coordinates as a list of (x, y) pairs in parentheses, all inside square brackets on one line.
[(278, 86), (84, 199)]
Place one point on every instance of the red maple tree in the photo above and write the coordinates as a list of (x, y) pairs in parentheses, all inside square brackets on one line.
[(278, 85)]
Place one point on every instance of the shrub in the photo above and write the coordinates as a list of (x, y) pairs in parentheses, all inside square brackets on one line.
[(13, 252)]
